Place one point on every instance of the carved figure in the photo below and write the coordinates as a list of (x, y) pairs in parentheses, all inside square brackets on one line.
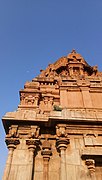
[(61, 131), (29, 100), (12, 132), (34, 132)]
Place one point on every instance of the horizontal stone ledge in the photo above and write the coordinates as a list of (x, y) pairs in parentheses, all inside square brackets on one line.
[(92, 151)]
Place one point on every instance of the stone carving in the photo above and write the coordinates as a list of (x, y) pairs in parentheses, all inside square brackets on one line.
[(12, 141), (32, 143), (33, 146), (12, 138), (29, 100), (91, 165), (62, 139), (46, 149), (46, 153), (21, 114), (11, 144), (34, 132), (33, 137), (44, 91), (13, 131), (92, 140), (47, 104), (22, 98), (61, 131), (72, 65)]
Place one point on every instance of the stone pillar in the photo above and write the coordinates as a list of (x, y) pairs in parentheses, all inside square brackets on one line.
[(11, 144), (46, 153), (62, 141), (91, 166), (61, 146), (36, 100), (50, 103), (32, 146)]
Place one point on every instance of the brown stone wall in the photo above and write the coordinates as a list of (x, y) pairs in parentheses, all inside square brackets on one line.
[(96, 99), (71, 99)]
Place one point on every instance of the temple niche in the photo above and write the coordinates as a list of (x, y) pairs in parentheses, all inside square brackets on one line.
[(56, 131)]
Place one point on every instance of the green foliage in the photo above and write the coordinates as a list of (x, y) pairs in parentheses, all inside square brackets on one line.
[(57, 108)]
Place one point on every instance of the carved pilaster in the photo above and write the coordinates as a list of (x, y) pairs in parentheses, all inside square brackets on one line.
[(22, 98), (50, 103), (33, 145), (62, 141), (46, 101), (91, 166), (11, 144), (46, 153), (36, 100)]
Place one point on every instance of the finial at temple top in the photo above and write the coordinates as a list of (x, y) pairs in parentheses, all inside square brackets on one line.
[(73, 51)]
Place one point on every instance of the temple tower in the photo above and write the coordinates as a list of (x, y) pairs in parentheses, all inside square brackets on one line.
[(56, 132)]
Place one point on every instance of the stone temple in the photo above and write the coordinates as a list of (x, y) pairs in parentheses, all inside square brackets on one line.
[(56, 132)]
